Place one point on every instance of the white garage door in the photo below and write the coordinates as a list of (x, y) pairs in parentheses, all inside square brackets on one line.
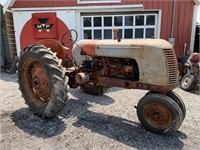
[(130, 25)]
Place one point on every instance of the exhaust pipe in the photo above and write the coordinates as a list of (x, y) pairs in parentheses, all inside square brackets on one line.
[(82, 78)]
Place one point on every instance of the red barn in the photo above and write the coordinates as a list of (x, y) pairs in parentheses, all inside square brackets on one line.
[(173, 20)]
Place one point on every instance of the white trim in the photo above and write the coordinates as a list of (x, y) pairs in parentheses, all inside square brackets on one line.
[(121, 27), (96, 1), (93, 8), (19, 21), (159, 22), (8, 4), (193, 29), (78, 24)]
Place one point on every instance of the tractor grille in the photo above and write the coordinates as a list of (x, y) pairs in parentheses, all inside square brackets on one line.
[(171, 66)]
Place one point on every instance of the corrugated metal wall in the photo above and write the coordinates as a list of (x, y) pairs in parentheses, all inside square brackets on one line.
[(183, 15), (8, 45), (5, 56), (11, 34)]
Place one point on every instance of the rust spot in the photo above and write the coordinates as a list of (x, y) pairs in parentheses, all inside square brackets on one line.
[(158, 115), (55, 47), (89, 48), (111, 82), (115, 33), (36, 82)]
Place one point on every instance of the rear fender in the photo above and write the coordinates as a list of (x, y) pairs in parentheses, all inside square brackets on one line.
[(55, 46)]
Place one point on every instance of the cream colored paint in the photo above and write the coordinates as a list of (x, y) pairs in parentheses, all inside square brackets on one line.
[(152, 65)]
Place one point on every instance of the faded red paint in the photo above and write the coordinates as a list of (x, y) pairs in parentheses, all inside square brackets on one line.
[(35, 78), (27, 36), (111, 82), (89, 48), (183, 15), (55, 47)]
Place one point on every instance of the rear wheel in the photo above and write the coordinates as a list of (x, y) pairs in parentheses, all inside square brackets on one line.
[(42, 81), (188, 82), (159, 113)]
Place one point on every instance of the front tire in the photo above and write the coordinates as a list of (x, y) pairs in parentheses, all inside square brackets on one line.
[(159, 113), (42, 81), (179, 101)]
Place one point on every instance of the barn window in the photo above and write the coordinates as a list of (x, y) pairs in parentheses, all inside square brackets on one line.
[(97, 1), (130, 26)]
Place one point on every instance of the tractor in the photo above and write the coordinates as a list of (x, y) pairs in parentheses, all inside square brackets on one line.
[(46, 73), (191, 72)]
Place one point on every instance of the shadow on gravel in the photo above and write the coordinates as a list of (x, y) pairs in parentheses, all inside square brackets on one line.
[(8, 77), (129, 132), (196, 90), (101, 99), (37, 126), (82, 102), (125, 131), (122, 130)]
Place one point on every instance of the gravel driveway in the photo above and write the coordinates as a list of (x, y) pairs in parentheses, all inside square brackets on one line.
[(107, 122)]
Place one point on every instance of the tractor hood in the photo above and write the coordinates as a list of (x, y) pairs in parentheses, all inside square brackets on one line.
[(155, 58), (115, 48)]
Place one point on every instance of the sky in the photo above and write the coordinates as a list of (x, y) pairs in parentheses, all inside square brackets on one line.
[(3, 1), (198, 14)]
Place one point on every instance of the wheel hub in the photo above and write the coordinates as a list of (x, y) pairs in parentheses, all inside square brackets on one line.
[(187, 82), (36, 82), (157, 116)]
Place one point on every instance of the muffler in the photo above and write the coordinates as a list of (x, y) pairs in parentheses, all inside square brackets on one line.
[(82, 78)]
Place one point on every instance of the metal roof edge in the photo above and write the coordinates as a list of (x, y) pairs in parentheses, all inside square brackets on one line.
[(109, 8), (8, 5)]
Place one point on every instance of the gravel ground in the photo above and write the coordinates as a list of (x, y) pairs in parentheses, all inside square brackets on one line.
[(107, 122)]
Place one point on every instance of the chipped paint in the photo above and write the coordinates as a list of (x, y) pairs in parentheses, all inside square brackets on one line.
[(150, 55)]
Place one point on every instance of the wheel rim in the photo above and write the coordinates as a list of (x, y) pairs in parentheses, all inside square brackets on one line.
[(157, 116), (186, 82), (36, 82)]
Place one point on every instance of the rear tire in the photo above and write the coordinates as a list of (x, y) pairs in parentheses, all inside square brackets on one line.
[(159, 113), (188, 82), (42, 81)]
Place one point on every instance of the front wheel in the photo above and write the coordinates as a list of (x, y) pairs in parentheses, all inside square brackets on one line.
[(179, 101), (159, 113), (42, 81)]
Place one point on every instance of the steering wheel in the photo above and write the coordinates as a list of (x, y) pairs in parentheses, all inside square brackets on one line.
[(67, 39)]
